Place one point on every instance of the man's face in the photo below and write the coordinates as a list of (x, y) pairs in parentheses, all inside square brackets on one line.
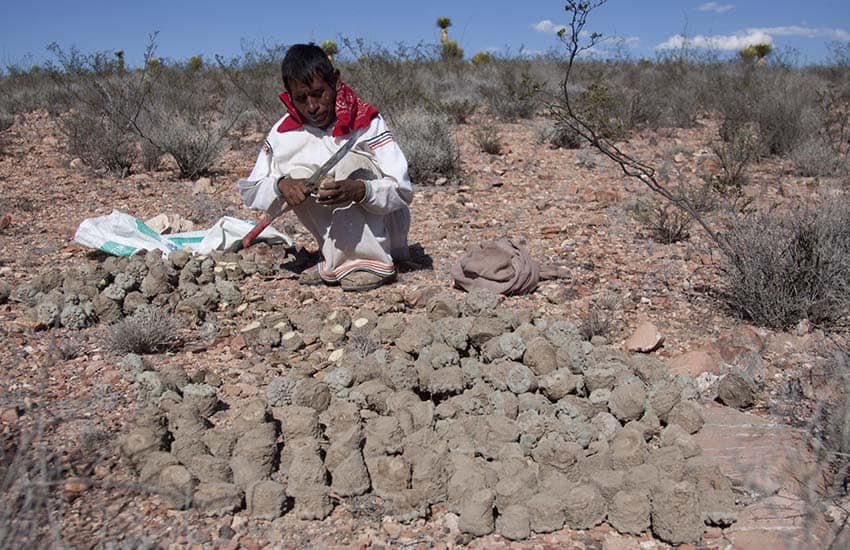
[(315, 101)]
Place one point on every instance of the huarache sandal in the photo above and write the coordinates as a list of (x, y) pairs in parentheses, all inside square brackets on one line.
[(310, 277), (359, 281)]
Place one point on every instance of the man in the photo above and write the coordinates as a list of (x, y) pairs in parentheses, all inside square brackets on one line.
[(360, 220)]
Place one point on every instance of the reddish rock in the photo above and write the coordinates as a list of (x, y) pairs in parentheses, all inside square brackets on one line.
[(645, 339), (694, 363), (743, 336), (781, 522), (760, 454)]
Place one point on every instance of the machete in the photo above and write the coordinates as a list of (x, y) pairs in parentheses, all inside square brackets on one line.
[(312, 184)]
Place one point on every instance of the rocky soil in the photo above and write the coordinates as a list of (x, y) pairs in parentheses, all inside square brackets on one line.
[(416, 415)]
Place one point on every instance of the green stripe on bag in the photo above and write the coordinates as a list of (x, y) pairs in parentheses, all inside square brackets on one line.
[(145, 228), (118, 249)]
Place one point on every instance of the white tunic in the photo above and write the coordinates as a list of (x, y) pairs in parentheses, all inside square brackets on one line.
[(358, 236)]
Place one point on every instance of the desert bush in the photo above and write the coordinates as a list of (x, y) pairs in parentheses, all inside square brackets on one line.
[(734, 155), (101, 138), (195, 63), (391, 80), (429, 144), (458, 109), (596, 105), (559, 135), (833, 110), (255, 80), (188, 115), (778, 101), (595, 323), (147, 330), (150, 155), (451, 51), (6, 120), (106, 105), (784, 266), (487, 138), (666, 222), (504, 86), (30, 478), (816, 158), (481, 57)]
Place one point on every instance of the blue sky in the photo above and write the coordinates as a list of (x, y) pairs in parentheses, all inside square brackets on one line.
[(645, 27)]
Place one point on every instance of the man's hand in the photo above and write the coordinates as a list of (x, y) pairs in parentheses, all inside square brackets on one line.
[(293, 191), (341, 192)]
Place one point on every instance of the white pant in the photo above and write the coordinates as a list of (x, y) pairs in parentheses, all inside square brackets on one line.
[(350, 237)]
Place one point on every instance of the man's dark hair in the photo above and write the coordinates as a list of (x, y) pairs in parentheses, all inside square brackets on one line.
[(302, 62)]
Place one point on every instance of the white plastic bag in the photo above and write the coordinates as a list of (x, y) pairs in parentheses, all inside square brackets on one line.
[(121, 234)]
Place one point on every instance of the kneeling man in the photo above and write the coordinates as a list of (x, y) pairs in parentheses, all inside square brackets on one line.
[(361, 219)]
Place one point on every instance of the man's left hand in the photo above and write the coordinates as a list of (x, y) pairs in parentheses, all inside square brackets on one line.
[(341, 192)]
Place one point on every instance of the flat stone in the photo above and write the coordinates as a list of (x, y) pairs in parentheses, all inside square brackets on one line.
[(646, 338), (758, 454), (694, 363), (782, 521)]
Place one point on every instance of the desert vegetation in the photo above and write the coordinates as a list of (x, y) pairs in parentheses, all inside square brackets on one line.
[(776, 262)]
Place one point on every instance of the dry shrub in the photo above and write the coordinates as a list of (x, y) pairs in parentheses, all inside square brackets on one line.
[(428, 143), (188, 119), (559, 135), (595, 323), (734, 155), (784, 266), (666, 223), (505, 89), (816, 158), (147, 330), (6, 120), (391, 80), (487, 138), (101, 139), (30, 475)]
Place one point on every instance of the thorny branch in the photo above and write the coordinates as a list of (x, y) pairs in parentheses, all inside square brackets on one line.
[(573, 37)]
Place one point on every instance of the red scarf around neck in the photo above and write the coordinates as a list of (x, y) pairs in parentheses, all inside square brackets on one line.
[(352, 113)]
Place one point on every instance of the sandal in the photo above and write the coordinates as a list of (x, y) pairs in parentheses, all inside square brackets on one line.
[(310, 277), (359, 281)]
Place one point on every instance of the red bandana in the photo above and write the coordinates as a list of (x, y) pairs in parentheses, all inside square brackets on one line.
[(352, 113)]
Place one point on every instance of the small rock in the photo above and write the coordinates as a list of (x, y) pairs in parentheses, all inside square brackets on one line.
[(645, 339), (738, 390)]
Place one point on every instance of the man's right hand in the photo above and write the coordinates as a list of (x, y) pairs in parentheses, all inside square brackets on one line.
[(293, 191)]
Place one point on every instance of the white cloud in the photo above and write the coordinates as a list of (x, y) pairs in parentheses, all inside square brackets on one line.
[(734, 42), (547, 27), (808, 32), (715, 7)]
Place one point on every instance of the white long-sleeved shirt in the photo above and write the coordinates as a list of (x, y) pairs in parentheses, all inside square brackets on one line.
[(304, 150)]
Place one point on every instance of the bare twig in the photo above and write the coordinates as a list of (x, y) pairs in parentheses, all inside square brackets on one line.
[(565, 111)]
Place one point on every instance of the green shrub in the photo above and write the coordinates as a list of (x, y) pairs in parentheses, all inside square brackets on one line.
[(596, 105), (481, 58), (195, 63), (428, 142), (666, 223), (450, 50)]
